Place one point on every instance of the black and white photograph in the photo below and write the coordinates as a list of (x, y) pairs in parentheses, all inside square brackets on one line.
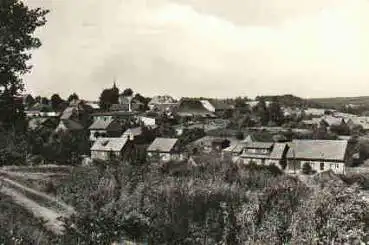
[(184, 122)]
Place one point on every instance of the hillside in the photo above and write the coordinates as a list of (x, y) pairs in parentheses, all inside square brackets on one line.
[(342, 101)]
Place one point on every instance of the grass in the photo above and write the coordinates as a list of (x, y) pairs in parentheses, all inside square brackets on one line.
[(17, 224)]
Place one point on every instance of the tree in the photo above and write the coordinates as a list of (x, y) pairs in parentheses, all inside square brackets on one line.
[(306, 168), (56, 101), (109, 97), (275, 113), (128, 92), (17, 25), (73, 96), (262, 111)]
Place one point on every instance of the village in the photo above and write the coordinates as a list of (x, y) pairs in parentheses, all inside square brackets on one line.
[(295, 138)]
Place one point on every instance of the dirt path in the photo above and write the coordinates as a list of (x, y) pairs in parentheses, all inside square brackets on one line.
[(32, 176), (69, 210), (49, 216)]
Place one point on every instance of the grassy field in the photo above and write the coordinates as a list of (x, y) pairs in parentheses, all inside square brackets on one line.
[(19, 227)]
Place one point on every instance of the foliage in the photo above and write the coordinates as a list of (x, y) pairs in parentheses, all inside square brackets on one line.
[(56, 101), (72, 97), (108, 97), (18, 23), (127, 92), (306, 168)]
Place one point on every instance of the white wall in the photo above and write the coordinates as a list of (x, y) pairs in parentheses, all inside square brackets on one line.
[(148, 121), (338, 168), (103, 155)]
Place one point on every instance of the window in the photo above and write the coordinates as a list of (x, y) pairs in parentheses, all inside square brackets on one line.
[(322, 166)]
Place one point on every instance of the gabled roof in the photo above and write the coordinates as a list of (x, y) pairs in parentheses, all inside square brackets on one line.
[(72, 125), (162, 99), (162, 145), (68, 113), (318, 149), (102, 124), (134, 131), (109, 144), (333, 121), (278, 150)]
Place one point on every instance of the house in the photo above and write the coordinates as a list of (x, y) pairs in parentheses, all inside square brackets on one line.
[(333, 121), (108, 148), (190, 108), (122, 115), (163, 103), (69, 126), (132, 133), (218, 107), (233, 151), (264, 153), (41, 110), (362, 122), (147, 121), (254, 103), (314, 112), (164, 149), (321, 155), (105, 128), (209, 144)]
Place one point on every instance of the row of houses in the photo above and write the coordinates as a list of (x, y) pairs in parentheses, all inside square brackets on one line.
[(321, 155)]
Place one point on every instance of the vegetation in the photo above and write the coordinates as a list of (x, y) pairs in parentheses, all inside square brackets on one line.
[(18, 23), (216, 202)]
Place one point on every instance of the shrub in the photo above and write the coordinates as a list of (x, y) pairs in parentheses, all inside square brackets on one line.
[(306, 168)]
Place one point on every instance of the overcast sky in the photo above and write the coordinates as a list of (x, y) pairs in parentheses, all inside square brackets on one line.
[(215, 48)]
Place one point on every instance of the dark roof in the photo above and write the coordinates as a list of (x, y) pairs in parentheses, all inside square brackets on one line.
[(194, 107)]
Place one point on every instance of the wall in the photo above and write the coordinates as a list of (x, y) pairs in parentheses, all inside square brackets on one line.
[(147, 121), (92, 134), (103, 155), (336, 167), (165, 157), (265, 162)]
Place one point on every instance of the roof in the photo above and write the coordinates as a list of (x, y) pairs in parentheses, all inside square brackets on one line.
[(332, 121), (208, 106), (162, 144), (109, 144), (68, 113), (189, 106), (101, 123), (72, 125), (259, 145), (134, 131), (318, 149), (278, 150), (236, 148), (119, 107), (162, 99)]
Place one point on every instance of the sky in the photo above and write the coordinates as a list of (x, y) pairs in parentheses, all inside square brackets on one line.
[(210, 48)]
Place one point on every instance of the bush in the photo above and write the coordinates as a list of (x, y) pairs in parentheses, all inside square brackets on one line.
[(306, 168)]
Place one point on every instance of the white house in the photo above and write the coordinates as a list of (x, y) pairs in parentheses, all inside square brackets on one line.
[(106, 148), (105, 128), (264, 153), (164, 149), (321, 155)]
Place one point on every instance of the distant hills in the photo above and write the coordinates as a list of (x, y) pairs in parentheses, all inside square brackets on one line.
[(342, 101)]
